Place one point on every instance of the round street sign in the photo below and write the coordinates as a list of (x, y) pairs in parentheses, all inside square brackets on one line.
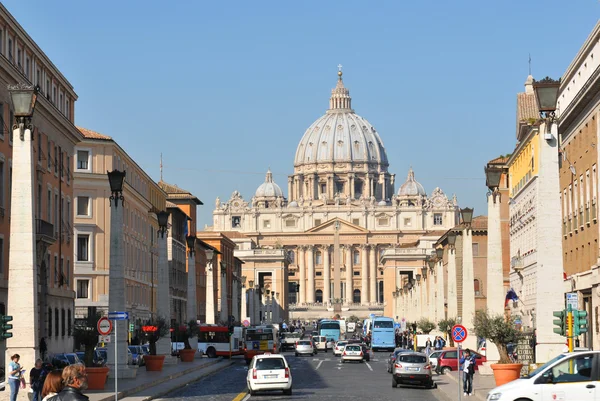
[(459, 333), (104, 326), (246, 323)]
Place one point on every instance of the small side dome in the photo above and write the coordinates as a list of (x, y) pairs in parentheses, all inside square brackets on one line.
[(268, 188), (411, 187), (382, 203), (293, 204)]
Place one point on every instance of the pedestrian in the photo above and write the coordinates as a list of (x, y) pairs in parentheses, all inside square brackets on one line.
[(52, 385), (467, 362), (15, 373), (74, 378), (428, 346), (37, 375)]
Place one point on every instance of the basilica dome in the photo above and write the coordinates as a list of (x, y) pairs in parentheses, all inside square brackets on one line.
[(268, 188), (340, 135), (411, 187)]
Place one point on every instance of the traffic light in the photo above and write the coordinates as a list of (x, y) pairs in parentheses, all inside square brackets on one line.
[(5, 327), (561, 322), (230, 330), (580, 322)]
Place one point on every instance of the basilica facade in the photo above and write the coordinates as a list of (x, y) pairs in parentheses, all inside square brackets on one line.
[(343, 238)]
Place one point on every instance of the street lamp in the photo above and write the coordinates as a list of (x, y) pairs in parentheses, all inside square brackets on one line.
[(424, 272), (251, 284), (439, 252), (451, 238), (546, 93), (467, 215), (115, 179), (191, 243), (23, 98), (418, 278), (493, 174), (431, 263), (163, 221)]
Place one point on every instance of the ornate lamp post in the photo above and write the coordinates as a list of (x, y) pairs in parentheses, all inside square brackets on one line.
[(116, 179), (22, 263), (163, 303), (452, 276), (468, 276), (192, 302), (440, 290)]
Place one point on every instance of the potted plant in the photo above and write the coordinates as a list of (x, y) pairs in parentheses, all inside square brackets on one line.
[(500, 330), (445, 326), (425, 325), (187, 331), (85, 334), (154, 330)]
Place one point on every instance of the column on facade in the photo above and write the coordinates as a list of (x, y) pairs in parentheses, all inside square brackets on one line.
[(373, 274), (257, 304), (350, 191), (364, 275), (420, 297), (440, 300), (495, 274), (243, 307), (210, 292), (431, 290), (310, 290), (468, 288), (276, 308), (191, 304), (326, 276), (452, 290), (235, 306), (301, 267), (163, 297), (224, 315), (290, 188), (349, 274)]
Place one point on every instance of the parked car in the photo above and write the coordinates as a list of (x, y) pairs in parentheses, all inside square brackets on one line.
[(61, 360), (137, 354), (98, 361), (448, 360), (433, 358), (104, 353), (392, 358), (412, 368)]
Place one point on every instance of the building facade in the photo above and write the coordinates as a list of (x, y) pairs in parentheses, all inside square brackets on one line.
[(94, 156), (578, 127), (341, 214), (54, 140)]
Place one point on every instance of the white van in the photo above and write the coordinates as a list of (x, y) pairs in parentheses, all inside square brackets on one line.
[(321, 343), (569, 376)]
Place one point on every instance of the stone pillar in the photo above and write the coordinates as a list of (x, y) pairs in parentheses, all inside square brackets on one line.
[(235, 305), (191, 305), (257, 305), (431, 302), (452, 294), (224, 315), (364, 273), (244, 308), (440, 300), (210, 293), (549, 268), (349, 274), (495, 275), (373, 275), (310, 290), (250, 295), (468, 288), (276, 315), (163, 300), (326, 277), (22, 269), (351, 185), (420, 297), (301, 296)]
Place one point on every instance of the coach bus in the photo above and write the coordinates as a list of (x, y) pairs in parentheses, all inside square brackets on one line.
[(383, 334), (330, 329), (259, 340), (215, 341)]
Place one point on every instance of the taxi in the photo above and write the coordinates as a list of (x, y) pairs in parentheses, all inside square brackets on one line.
[(269, 372)]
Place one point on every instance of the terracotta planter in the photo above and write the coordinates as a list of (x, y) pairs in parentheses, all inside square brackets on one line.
[(187, 355), (96, 377), (154, 363), (506, 372)]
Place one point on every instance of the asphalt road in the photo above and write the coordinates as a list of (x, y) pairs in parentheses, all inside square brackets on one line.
[(322, 377)]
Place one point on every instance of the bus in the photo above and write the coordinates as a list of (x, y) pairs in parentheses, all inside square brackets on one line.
[(215, 341), (259, 340), (383, 334), (366, 327), (330, 329)]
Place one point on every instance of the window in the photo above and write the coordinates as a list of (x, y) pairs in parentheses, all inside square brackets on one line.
[(55, 269), (407, 222), (319, 258), (236, 221), (290, 223), (83, 206), (83, 247), (356, 222), (1, 255), (83, 159), (573, 370), (2, 202), (56, 321), (318, 273), (357, 273), (319, 296), (54, 95), (317, 222), (267, 224), (339, 187), (49, 322), (67, 109), (49, 208), (55, 159), (291, 256), (477, 287), (27, 67), (10, 49), (383, 221), (323, 188), (83, 288), (69, 328), (49, 155), (438, 219), (2, 121), (475, 249), (356, 257), (63, 321)]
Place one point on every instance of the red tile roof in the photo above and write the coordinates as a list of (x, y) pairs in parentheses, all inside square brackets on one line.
[(499, 160), (89, 134)]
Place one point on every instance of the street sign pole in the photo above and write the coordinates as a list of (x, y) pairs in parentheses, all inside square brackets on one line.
[(459, 370), (459, 334), (116, 364), (570, 334)]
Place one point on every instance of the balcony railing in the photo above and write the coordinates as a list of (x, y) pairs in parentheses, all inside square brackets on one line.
[(44, 231)]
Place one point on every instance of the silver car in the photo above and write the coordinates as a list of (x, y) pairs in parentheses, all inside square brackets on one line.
[(305, 347), (412, 368), (353, 352)]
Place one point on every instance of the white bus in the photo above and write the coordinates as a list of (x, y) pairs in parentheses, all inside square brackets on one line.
[(215, 341)]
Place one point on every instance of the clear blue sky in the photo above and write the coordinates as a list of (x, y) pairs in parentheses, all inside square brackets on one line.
[(226, 89)]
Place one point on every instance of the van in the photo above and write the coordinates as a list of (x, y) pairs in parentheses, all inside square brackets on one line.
[(320, 343)]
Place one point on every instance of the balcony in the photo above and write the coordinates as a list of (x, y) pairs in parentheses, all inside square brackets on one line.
[(44, 232)]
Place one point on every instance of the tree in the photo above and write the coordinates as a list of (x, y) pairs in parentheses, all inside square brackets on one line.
[(154, 330), (445, 325), (425, 325), (187, 331), (353, 319), (498, 329), (85, 334)]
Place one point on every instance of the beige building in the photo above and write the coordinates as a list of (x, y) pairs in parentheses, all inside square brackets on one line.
[(94, 156), (320, 249)]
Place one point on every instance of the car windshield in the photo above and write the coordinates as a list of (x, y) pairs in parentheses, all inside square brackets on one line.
[(330, 326), (72, 358), (385, 324), (303, 342), (544, 366), (413, 358), (353, 348), (270, 364), (399, 351), (341, 343)]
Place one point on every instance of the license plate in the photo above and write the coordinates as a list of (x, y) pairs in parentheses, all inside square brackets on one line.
[(270, 376), (412, 369)]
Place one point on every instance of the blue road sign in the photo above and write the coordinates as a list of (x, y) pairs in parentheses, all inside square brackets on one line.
[(118, 315), (459, 333)]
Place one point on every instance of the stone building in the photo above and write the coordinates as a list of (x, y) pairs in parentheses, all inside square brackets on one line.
[(320, 247)]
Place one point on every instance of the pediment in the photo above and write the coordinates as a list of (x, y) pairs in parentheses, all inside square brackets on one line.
[(345, 227)]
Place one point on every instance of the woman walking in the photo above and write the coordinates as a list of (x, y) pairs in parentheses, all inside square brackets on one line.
[(52, 385), (15, 372)]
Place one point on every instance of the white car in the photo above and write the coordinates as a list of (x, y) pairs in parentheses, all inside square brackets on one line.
[(339, 348), (269, 372), (569, 376), (352, 352), (433, 357), (305, 347)]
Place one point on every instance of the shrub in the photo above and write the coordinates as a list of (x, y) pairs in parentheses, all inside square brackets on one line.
[(425, 325)]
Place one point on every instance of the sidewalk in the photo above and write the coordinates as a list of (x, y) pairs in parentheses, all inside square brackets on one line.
[(149, 385), (448, 386)]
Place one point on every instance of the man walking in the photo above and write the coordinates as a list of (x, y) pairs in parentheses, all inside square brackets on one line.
[(467, 362), (75, 380)]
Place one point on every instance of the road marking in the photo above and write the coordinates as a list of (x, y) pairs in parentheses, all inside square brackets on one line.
[(369, 366), (242, 396), (319, 365)]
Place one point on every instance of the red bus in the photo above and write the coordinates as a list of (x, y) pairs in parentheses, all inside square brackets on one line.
[(215, 341)]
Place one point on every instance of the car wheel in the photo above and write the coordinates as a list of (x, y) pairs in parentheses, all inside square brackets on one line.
[(211, 352), (287, 392), (445, 369), (252, 392), (394, 382)]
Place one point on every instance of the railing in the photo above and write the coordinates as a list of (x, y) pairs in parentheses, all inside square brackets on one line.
[(43, 228)]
